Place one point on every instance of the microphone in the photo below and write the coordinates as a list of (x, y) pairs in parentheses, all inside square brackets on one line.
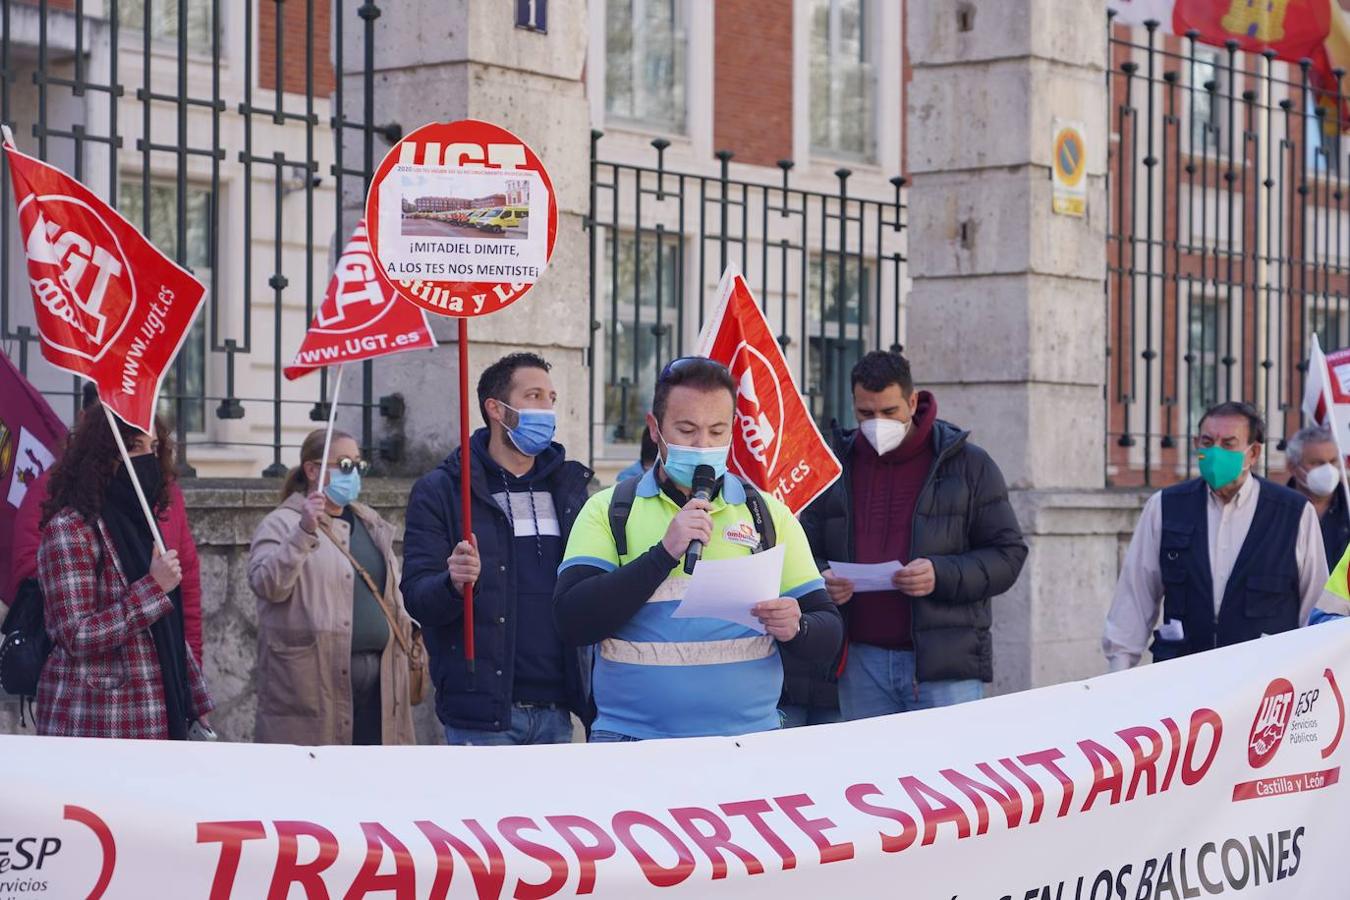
[(704, 482)]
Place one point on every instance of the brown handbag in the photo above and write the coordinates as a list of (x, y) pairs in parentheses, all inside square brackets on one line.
[(415, 649)]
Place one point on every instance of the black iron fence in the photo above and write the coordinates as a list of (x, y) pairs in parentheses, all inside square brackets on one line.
[(242, 153), (1227, 242), (234, 150), (827, 267)]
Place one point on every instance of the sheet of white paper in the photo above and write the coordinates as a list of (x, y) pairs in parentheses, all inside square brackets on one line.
[(867, 576), (727, 588)]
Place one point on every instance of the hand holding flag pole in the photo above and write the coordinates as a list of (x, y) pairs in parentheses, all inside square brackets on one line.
[(332, 416)]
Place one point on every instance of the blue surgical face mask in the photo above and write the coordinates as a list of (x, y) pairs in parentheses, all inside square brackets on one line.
[(534, 429), (680, 462), (343, 487)]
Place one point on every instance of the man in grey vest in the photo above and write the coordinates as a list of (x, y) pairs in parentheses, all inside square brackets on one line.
[(1227, 557)]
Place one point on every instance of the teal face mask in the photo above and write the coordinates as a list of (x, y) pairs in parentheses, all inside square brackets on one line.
[(1220, 467)]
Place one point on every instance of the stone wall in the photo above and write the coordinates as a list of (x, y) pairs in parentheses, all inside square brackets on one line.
[(1048, 628), (1045, 631)]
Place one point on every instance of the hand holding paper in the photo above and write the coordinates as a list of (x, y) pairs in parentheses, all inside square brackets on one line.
[(868, 576), (730, 589), (781, 617)]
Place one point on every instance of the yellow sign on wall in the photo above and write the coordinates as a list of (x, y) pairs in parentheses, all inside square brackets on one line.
[(1070, 169)]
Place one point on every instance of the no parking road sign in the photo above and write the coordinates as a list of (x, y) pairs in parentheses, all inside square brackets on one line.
[(1070, 169)]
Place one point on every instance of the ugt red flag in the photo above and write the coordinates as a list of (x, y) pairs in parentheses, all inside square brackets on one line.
[(361, 316), (1294, 30), (1326, 392), (31, 435), (110, 307), (775, 444)]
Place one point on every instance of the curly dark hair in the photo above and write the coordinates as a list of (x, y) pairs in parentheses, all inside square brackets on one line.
[(880, 369), (80, 478)]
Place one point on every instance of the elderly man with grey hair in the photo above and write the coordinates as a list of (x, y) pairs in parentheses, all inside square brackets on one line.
[(1310, 457)]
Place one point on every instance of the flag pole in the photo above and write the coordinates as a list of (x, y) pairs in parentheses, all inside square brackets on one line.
[(332, 417), (1325, 375), (135, 482), (466, 485)]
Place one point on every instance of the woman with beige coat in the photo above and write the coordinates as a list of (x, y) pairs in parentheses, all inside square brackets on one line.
[(331, 670)]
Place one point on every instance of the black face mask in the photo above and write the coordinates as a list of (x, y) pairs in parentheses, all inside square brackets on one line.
[(147, 473)]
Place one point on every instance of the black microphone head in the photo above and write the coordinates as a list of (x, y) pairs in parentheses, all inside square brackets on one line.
[(705, 479)]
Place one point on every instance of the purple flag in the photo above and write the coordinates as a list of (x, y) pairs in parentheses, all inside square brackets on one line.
[(31, 436)]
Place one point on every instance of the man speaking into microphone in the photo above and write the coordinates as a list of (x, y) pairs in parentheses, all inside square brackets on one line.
[(625, 570)]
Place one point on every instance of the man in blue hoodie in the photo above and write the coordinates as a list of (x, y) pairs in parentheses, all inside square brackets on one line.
[(526, 495)]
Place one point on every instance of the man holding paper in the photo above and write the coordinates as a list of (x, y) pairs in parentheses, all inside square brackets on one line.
[(926, 514), (660, 672)]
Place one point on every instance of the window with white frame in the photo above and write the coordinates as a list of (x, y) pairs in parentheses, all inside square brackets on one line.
[(1209, 103), (1325, 317), (164, 20), (836, 321), (637, 340), (161, 227), (1322, 134), (843, 79), (1207, 347), (645, 50)]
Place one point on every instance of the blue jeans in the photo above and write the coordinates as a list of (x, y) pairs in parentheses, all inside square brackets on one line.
[(611, 737), (880, 682), (794, 715), (529, 725)]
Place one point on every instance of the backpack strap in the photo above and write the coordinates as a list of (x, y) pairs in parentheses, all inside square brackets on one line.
[(620, 507), (759, 511)]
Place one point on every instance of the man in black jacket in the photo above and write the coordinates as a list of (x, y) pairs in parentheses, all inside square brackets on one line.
[(914, 492), (526, 495)]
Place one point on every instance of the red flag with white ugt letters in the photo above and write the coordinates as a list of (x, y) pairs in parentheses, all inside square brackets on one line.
[(361, 316), (109, 306), (775, 444)]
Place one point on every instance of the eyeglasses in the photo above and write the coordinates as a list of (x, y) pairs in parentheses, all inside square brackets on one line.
[(346, 465), (676, 364)]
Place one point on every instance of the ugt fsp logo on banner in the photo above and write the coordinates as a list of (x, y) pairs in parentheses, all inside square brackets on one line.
[(775, 444), (109, 306), (56, 858)]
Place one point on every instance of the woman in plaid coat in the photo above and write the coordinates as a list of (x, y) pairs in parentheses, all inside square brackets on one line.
[(119, 667)]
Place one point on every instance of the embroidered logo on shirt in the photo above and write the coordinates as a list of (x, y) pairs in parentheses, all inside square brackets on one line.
[(743, 534)]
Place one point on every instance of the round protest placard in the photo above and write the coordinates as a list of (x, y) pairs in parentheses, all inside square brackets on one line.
[(462, 218)]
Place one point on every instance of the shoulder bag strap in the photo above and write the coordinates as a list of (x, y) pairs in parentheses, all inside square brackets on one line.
[(370, 583), (763, 520), (620, 506)]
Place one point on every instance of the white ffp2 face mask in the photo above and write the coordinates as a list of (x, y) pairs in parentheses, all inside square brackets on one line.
[(1322, 480), (884, 434)]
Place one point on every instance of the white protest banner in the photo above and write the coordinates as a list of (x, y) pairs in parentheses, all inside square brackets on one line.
[(1212, 775)]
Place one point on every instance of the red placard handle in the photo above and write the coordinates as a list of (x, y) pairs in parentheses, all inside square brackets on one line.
[(466, 482)]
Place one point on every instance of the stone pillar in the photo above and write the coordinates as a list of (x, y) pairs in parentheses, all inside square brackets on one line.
[(441, 60), (1007, 316)]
